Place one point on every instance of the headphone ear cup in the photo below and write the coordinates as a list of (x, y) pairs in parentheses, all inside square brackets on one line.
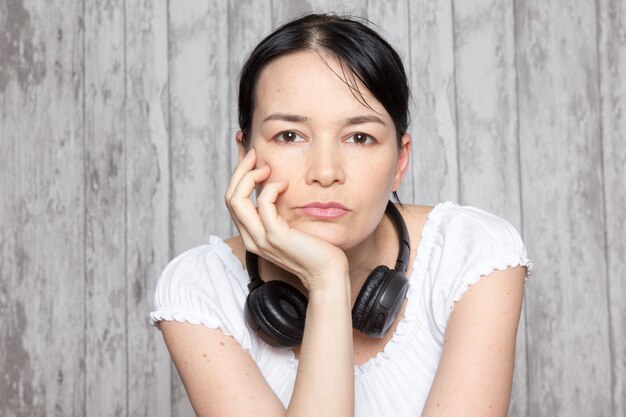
[(276, 311), (379, 301), (367, 296)]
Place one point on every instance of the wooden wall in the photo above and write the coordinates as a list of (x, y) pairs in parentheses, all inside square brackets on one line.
[(117, 121)]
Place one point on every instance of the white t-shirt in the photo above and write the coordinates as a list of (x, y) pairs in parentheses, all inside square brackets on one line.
[(459, 244)]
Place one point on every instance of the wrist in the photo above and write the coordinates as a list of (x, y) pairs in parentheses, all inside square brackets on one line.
[(327, 287)]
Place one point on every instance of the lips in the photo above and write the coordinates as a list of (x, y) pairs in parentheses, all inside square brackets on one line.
[(329, 210)]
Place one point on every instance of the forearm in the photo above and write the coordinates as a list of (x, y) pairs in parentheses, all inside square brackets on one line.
[(325, 380)]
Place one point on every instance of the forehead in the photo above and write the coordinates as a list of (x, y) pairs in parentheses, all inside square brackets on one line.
[(311, 82)]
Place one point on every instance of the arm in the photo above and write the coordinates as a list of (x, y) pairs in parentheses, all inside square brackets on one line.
[(325, 379), (221, 379), (475, 371)]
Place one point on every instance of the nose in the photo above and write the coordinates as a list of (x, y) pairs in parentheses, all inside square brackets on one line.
[(325, 163)]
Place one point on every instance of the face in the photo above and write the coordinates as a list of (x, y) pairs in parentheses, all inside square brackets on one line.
[(341, 158)]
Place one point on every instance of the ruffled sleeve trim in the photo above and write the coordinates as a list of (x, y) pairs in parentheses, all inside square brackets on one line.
[(204, 285), (503, 266), (185, 316), (473, 244)]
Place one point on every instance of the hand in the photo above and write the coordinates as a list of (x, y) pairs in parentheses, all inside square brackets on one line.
[(264, 232)]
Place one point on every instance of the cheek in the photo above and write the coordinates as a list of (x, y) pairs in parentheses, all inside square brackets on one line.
[(281, 167), (374, 173), (284, 164), (264, 156)]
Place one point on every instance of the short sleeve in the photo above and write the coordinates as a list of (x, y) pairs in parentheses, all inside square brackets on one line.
[(471, 243), (204, 285)]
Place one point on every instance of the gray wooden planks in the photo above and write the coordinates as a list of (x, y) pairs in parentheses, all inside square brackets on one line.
[(391, 19), (433, 175), (147, 190), (105, 209), (486, 103), (567, 328), (117, 125), (199, 130), (250, 21), (612, 54), (42, 183), (487, 106)]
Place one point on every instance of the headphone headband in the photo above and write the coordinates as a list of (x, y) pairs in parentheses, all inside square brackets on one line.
[(402, 263), (252, 265)]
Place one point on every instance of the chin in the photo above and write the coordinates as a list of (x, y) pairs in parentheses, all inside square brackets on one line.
[(333, 233)]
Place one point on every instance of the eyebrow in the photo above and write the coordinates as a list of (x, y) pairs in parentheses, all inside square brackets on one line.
[(286, 117), (356, 120)]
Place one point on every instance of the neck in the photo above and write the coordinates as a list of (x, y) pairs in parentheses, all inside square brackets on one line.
[(379, 248)]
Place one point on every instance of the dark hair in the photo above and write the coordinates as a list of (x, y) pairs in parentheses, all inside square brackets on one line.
[(369, 57)]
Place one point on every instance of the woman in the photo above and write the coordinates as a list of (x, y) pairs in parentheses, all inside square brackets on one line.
[(323, 113)]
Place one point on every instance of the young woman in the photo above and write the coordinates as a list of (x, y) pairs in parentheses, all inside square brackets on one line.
[(323, 113)]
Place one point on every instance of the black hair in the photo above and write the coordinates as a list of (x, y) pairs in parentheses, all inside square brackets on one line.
[(368, 56)]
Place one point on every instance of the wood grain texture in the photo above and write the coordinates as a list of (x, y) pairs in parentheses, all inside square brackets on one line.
[(201, 149), (282, 11), (199, 115), (41, 210), (249, 22), (433, 175), (350, 7), (105, 209), (117, 124), (612, 53), (391, 19), (567, 328), (486, 104), (147, 204)]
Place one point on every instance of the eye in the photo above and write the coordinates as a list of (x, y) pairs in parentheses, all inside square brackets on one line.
[(360, 138), (289, 136)]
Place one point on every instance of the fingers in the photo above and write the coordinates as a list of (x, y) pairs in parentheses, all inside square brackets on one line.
[(266, 200), (259, 224), (243, 211), (242, 208), (246, 165)]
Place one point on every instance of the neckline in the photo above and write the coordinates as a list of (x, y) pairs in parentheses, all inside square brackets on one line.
[(422, 254)]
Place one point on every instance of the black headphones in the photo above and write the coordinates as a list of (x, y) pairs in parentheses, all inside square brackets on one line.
[(276, 310)]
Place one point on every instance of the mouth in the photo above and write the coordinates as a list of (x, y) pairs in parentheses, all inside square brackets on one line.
[(329, 210)]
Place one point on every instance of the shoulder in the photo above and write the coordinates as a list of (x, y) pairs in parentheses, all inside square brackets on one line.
[(415, 217), (463, 228), (195, 265), (236, 246), (486, 239), (461, 244), (201, 285)]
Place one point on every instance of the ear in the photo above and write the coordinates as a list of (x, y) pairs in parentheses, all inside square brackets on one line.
[(403, 161), (241, 147)]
